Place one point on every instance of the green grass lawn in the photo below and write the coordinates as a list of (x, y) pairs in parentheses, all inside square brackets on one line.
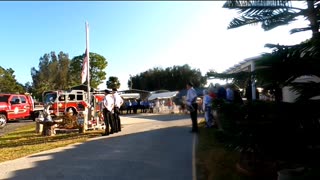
[(24, 141)]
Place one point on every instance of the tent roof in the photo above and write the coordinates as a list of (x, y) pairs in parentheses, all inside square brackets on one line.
[(163, 95), (130, 95)]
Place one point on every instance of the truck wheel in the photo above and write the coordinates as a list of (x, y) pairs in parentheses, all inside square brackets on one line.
[(3, 121)]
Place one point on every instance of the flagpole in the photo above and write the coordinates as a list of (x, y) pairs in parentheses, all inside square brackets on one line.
[(88, 77), (88, 61)]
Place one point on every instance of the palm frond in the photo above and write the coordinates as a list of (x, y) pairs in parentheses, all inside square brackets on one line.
[(270, 13), (295, 30), (269, 17), (247, 3), (306, 90)]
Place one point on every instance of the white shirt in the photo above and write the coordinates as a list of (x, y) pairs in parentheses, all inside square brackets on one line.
[(118, 100), (191, 96), (108, 102)]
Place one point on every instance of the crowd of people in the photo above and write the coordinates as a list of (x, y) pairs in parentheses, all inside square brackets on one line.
[(229, 93), (114, 105), (111, 110), (133, 106)]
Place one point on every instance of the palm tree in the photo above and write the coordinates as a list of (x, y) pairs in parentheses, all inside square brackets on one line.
[(298, 60), (272, 14)]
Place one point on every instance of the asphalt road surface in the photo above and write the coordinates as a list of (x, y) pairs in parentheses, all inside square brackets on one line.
[(12, 125), (149, 147)]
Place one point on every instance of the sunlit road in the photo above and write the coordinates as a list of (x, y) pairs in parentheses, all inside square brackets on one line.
[(147, 148)]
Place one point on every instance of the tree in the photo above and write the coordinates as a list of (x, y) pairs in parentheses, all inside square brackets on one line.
[(274, 13), (8, 82), (171, 78), (97, 65), (113, 83), (52, 73), (297, 60)]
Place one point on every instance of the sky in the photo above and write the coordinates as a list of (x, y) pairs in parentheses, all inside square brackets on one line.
[(134, 36)]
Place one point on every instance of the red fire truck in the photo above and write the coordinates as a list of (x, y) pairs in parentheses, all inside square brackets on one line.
[(66, 101), (75, 101)]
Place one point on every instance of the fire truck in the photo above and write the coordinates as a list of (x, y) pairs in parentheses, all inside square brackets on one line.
[(75, 102), (66, 101)]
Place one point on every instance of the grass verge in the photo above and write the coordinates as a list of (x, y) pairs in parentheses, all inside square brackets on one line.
[(213, 160), (24, 141)]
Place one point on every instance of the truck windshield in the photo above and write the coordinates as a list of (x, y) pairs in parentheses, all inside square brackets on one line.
[(4, 98), (50, 97)]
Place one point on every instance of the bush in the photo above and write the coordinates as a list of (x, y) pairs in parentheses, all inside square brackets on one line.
[(279, 131)]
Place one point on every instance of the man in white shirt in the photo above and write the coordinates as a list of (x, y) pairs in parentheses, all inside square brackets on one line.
[(108, 104), (192, 106), (118, 101)]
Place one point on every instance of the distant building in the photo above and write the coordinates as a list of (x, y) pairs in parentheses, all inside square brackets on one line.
[(249, 65)]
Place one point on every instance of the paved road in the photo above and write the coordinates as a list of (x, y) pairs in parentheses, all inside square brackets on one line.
[(148, 147), (12, 125)]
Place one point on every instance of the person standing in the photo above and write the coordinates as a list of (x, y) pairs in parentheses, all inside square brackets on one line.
[(128, 106), (207, 104), (193, 106), (108, 104), (118, 101), (229, 93)]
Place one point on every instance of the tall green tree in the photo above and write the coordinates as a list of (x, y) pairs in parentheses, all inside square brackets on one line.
[(52, 73), (98, 63), (171, 78), (8, 82), (113, 83)]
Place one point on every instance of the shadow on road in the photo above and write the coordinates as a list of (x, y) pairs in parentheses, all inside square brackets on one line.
[(157, 154)]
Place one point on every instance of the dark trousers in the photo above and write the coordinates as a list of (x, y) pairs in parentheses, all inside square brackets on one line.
[(108, 121), (117, 119), (194, 117)]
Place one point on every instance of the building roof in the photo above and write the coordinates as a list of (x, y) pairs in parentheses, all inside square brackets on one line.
[(242, 65)]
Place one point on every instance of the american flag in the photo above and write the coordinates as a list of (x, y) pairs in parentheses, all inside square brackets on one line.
[(84, 72), (85, 66)]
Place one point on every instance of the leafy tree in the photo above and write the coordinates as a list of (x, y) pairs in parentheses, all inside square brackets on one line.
[(8, 82), (113, 83), (59, 72), (97, 65), (171, 78), (52, 73)]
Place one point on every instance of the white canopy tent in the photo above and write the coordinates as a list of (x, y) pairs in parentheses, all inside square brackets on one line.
[(130, 95), (163, 95)]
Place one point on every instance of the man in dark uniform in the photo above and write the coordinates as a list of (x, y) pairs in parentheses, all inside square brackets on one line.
[(118, 101)]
